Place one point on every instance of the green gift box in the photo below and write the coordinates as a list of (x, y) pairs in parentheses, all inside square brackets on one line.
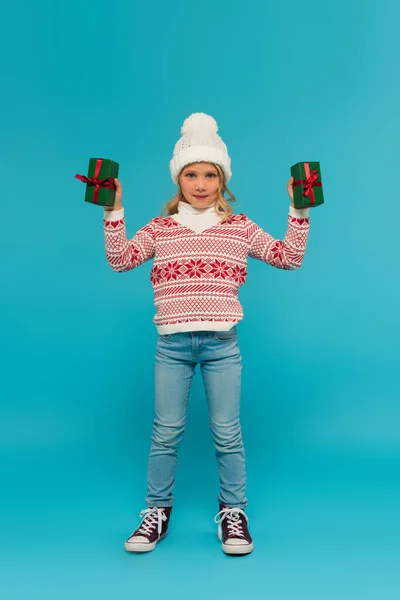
[(307, 186), (100, 186)]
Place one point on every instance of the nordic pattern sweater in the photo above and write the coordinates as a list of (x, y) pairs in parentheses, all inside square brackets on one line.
[(196, 275)]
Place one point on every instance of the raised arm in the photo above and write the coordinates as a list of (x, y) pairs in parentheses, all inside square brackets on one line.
[(287, 254), (123, 254)]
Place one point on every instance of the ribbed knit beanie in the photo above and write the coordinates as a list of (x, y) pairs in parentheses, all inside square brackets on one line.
[(200, 143)]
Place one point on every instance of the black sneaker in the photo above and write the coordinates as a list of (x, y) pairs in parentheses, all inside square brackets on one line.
[(153, 528), (233, 530)]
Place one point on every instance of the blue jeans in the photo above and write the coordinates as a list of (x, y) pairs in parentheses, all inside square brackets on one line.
[(177, 355)]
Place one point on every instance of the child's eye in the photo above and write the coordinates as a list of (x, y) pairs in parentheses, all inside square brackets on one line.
[(191, 175)]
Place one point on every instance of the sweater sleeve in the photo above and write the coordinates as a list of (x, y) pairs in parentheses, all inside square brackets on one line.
[(123, 254), (287, 254)]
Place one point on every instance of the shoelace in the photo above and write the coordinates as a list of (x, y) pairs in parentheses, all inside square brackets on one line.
[(152, 517), (234, 521)]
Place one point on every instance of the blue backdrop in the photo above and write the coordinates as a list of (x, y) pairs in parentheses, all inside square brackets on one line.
[(320, 411)]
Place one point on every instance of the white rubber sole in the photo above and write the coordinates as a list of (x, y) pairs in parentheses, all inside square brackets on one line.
[(140, 547), (245, 549), (231, 549)]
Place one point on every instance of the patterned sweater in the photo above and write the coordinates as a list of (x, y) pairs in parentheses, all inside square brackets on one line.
[(196, 276)]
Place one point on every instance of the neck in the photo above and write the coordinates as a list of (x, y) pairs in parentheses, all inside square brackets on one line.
[(197, 219)]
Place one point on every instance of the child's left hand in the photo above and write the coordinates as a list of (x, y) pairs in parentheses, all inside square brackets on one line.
[(290, 189)]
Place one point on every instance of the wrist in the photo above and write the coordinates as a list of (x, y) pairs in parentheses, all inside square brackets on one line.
[(113, 208), (299, 213)]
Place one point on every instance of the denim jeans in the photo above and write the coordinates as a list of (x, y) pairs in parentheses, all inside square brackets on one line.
[(177, 356)]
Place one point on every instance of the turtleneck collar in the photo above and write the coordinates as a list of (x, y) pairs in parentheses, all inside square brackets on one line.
[(184, 208)]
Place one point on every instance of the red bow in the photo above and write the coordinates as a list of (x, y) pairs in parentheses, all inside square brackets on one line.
[(310, 182)]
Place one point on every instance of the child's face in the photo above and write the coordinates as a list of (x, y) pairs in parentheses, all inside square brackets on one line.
[(200, 183)]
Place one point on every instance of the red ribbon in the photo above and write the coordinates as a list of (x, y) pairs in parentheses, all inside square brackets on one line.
[(98, 183), (309, 183)]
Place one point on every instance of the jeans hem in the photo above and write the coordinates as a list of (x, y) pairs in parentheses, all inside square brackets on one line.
[(241, 505)]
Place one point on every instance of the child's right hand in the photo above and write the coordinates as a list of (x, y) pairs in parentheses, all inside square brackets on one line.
[(118, 197)]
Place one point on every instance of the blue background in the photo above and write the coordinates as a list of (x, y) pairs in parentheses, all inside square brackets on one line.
[(320, 412)]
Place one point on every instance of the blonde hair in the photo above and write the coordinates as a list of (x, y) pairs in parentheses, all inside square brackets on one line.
[(221, 204)]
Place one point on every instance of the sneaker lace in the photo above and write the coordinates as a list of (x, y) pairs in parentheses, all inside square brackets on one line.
[(152, 517), (233, 516)]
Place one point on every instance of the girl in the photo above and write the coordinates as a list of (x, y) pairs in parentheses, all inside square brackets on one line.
[(200, 252)]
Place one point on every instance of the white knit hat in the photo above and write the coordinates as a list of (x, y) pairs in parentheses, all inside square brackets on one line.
[(200, 143)]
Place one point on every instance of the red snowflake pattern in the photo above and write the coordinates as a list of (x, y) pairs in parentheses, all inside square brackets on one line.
[(130, 256), (219, 268), (195, 268), (239, 274), (277, 251), (135, 256), (156, 275), (165, 221), (172, 270), (236, 218)]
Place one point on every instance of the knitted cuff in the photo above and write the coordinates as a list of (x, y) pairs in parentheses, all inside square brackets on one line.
[(113, 215), (299, 213)]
